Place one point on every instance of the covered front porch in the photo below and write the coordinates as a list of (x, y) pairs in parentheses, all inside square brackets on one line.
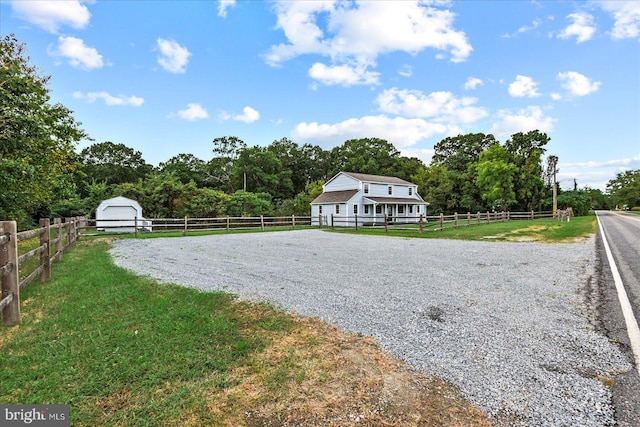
[(394, 210)]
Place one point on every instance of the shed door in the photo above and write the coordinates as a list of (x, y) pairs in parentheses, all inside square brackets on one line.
[(119, 212)]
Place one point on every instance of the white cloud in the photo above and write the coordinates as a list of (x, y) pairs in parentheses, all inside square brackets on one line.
[(524, 120), (523, 86), (556, 96), (399, 131), (50, 15), (472, 83), (577, 84), (626, 15), (110, 100), (173, 57), (78, 55), (582, 27), (406, 71), (594, 174), (440, 106), (407, 26), (525, 28), (193, 112), (344, 75), (223, 5), (249, 115)]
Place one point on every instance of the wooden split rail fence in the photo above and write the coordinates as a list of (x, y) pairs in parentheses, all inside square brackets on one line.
[(432, 222), (50, 249)]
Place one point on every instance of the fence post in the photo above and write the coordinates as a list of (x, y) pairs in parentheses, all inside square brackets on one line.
[(135, 226), (455, 219), (533, 216), (478, 217), (319, 220), (10, 282), (67, 233), (59, 245), (488, 217), (356, 218), (385, 223), (420, 223), (468, 219), (331, 220), (228, 223), (293, 221), (441, 221), (45, 255), (186, 226), (508, 215)]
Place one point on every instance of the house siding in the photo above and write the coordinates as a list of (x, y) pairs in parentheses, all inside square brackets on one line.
[(342, 182), (390, 204)]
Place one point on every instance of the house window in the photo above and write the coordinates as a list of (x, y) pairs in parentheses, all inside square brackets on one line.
[(410, 191), (366, 188), (410, 209), (378, 209), (337, 209), (400, 209), (320, 209), (355, 209), (366, 209), (390, 190)]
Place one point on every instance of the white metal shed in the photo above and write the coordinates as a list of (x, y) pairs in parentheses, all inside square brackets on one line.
[(125, 211)]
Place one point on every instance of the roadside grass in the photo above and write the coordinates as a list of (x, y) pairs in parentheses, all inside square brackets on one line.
[(123, 350), (540, 230)]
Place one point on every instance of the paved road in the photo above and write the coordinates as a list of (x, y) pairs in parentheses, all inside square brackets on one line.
[(622, 231)]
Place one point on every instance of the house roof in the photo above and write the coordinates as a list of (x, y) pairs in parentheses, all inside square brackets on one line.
[(377, 178), (395, 200), (335, 196)]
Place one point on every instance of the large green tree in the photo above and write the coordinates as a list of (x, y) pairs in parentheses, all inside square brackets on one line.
[(458, 155), (527, 150), (495, 175), (37, 138), (113, 163), (366, 155), (226, 151), (186, 167), (624, 189)]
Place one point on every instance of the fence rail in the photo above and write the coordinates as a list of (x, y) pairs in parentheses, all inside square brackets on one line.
[(49, 250), (186, 224), (432, 222)]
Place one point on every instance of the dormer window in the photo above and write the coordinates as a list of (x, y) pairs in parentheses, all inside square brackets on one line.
[(411, 191), (366, 188), (390, 190)]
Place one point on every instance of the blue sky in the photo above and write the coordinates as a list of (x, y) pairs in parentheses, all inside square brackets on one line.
[(167, 77)]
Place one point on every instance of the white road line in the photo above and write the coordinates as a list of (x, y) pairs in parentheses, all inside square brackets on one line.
[(632, 324)]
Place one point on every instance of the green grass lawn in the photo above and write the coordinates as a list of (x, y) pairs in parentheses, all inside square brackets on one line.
[(97, 333), (540, 230)]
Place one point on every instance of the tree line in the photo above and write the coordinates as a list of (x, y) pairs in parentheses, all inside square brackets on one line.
[(42, 175)]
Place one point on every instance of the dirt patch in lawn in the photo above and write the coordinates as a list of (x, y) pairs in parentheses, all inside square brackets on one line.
[(317, 375)]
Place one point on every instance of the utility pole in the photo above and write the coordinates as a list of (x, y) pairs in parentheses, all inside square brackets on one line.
[(555, 189)]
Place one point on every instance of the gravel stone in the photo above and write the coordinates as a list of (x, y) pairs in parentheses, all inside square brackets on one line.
[(507, 323)]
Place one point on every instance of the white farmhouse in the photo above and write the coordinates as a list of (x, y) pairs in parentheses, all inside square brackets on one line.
[(120, 214), (368, 198)]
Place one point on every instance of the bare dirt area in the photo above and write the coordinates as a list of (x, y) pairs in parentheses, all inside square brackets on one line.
[(327, 377)]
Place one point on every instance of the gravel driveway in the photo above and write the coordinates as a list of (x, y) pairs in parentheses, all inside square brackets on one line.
[(505, 322)]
